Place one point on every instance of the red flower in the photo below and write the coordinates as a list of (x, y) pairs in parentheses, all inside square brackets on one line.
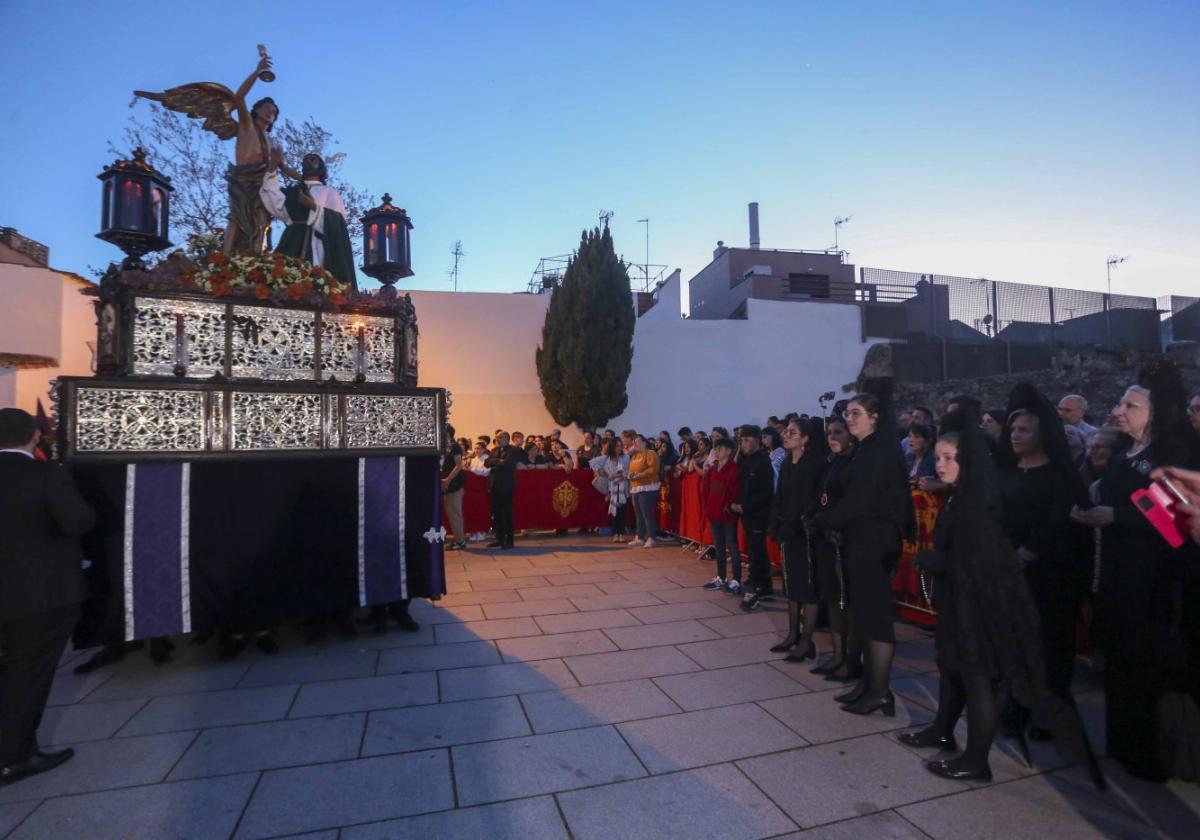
[(216, 258), (261, 291), (278, 271)]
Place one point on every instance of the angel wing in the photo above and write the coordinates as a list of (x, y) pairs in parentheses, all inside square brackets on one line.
[(208, 100)]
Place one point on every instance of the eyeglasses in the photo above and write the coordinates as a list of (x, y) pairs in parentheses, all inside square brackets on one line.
[(853, 413)]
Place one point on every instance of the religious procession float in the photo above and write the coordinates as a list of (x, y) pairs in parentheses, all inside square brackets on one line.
[(254, 438)]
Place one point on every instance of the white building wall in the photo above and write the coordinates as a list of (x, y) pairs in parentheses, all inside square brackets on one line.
[(481, 345), (701, 373)]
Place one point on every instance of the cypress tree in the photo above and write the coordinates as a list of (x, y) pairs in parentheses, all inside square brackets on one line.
[(587, 339)]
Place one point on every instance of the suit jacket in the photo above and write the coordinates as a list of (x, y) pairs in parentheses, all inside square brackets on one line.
[(42, 516), (503, 465)]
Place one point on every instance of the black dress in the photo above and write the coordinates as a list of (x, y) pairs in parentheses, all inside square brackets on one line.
[(1139, 617), (829, 578), (796, 496), (1037, 516), (876, 508)]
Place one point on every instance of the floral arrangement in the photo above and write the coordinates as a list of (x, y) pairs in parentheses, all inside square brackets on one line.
[(263, 275)]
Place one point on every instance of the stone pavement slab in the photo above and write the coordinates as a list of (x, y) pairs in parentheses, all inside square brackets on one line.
[(1056, 808), (678, 612), (749, 624), (473, 631), (638, 598), (506, 583), (549, 606), (577, 708), (741, 650), (554, 646), (818, 718), (437, 657), (12, 814), (365, 694), (629, 665), (527, 819), (594, 620), (710, 736), (886, 825), (443, 725), (727, 686), (571, 590), (101, 765), (844, 779), (141, 680), (542, 764), (91, 722), (201, 809), (499, 680), (654, 635), (347, 792), (712, 803), (264, 746), (211, 708)]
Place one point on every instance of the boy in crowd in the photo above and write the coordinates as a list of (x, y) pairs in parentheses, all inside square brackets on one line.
[(719, 490)]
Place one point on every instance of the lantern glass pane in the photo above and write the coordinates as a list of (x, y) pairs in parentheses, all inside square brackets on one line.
[(129, 216), (372, 243)]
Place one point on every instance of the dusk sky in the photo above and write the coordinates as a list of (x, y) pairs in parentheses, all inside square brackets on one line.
[(1015, 141)]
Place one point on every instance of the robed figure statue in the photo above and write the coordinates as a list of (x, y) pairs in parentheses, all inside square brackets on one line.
[(315, 218)]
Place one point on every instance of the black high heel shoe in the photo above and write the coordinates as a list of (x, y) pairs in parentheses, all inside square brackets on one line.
[(866, 705), (844, 673), (800, 656), (786, 645), (948, 769), (929, 738), (853, 694), (828, 668)]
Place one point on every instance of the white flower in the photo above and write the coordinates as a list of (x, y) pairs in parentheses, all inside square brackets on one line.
[(435, 536)]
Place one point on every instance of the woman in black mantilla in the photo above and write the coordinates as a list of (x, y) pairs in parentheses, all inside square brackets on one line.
[(1139, 605), (845, 664), (987, 630), (799, 475), (1039, 485), (873, 516)]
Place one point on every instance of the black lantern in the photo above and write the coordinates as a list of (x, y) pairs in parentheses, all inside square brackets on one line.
[(135, 211), (387, 254)]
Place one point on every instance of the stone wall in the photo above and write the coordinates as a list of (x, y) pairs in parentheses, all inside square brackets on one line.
[(1099, 375)]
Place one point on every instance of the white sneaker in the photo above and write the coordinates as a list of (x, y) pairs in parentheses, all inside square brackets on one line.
[(618, 538), (715, 584), (635, 541), (649, 542)]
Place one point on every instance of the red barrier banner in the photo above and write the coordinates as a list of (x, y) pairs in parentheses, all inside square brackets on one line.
[(907, 583), (544, 499)]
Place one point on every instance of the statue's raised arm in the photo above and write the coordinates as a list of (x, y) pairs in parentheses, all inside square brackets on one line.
[(216, 104)]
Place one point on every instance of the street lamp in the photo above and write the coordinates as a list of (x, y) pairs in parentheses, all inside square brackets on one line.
[(135, 208), (387, 248)]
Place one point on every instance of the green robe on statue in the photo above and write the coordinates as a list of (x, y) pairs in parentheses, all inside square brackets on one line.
[(321, 238)]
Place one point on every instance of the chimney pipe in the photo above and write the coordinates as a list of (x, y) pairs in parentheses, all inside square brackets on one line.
[(754, 225)]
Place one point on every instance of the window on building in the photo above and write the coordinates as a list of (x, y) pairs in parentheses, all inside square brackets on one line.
[(808, 285)]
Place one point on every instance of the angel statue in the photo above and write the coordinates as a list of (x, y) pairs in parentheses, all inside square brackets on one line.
[(249, 221)]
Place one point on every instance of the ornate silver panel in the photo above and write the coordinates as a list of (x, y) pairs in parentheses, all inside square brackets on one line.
[(375, 422), (275, 421), (339, 347), (138, 420), (273, 343), (154, 336)]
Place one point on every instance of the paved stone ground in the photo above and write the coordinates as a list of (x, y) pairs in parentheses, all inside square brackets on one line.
[(570, 688)]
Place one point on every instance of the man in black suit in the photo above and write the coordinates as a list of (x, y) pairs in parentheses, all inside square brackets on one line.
[(42, 516), (502, 485)]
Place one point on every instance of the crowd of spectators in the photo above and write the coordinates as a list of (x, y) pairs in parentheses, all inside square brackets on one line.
[(1037, 519)]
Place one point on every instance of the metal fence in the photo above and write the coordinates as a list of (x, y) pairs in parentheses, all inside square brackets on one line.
[(977, 310), (1181, 318)]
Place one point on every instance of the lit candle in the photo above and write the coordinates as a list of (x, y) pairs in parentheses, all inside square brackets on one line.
[(360, 366), (181, 350)]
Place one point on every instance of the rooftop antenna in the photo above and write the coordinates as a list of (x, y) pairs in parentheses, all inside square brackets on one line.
[(837, 223), (646, 271), (1112, 261), (458, 253), (605, 217)]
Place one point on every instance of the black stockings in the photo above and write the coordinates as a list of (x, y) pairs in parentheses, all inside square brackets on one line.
[(976, 694)]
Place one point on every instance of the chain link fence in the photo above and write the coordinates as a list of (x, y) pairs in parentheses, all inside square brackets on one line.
[(957, 327)]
